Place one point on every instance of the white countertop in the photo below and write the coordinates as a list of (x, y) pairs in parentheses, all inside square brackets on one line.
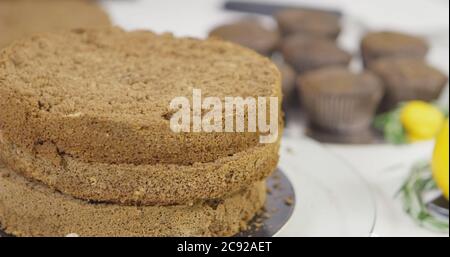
[(383, 166)]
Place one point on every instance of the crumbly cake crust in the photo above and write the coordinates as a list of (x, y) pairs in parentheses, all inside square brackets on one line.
[(23, 18), (31, 209), (160, 184), (103, 95)]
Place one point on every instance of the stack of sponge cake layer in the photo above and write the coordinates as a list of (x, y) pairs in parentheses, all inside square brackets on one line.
[(85, 125)]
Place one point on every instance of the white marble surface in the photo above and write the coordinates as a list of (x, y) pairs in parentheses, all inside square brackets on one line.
[(383, 166)]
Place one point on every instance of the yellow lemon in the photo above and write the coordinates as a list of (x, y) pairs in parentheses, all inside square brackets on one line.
[(421, 120), (440, 160)]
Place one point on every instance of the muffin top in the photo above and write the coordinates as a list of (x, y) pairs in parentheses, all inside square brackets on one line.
[(394, 43), (410, 72), (249, 33), (306, 53), (309, 22), (339, 80), (103, 95), (23, 18)]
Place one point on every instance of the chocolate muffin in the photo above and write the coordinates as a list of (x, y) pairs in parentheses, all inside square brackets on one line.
[(288, 76), (307, 53), (308, 22), (290, 94), (249, 33), (24, 18), (377, 45), (338, 101), (408, 79)]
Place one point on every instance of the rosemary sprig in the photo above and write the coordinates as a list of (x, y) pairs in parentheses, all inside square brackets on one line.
[(419, 182)]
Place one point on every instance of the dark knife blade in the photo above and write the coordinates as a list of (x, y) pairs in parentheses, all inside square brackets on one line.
[(439, 206), (269, 9)]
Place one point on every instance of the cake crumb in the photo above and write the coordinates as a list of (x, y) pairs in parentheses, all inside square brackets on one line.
[(289, 201)]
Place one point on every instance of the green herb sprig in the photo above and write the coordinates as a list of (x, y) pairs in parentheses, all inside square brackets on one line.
[(419, 182)]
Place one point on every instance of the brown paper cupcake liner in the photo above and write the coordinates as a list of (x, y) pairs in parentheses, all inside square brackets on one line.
[(399, 93), (368, 136), (343, 114)]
